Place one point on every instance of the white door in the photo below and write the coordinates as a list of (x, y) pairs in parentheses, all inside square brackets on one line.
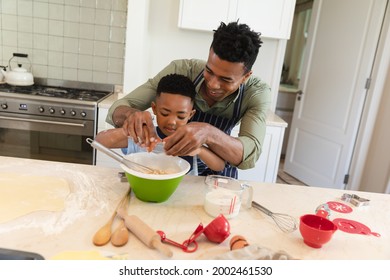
[(342, 40)]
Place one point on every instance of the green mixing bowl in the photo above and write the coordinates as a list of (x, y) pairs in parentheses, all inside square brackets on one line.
[(155, 187)]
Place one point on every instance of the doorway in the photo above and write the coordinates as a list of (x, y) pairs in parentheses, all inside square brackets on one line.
[(292, 66), (338, 62)]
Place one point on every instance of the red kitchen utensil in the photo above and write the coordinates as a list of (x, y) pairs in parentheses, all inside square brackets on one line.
[(186, 247), (316, 230), (339, 207), (216, 231), (355, 227)]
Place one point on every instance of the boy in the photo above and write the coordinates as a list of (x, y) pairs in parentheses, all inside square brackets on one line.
[(173, 108)]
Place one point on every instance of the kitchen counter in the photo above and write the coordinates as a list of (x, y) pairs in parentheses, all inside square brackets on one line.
[(95, 191), (107, 102)]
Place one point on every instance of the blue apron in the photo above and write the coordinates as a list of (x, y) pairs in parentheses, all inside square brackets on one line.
[(224, 124)]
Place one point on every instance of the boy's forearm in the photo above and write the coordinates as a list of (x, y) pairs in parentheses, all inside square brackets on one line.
[(225, 146), (112, 138), (212, 160)]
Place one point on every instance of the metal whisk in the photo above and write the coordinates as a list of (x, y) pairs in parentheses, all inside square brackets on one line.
[(285, 222)]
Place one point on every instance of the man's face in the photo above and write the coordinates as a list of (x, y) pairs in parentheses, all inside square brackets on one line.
[(222, 78), (172, 111)]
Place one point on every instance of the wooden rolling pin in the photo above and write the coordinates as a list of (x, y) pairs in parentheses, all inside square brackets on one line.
[(145, 233)]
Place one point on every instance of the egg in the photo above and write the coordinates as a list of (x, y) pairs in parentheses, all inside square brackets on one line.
[(238, 242)]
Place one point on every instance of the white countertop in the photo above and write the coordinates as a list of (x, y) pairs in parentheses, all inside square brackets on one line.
[(288, 88), (107, 102), (96, 191), (275, 120)]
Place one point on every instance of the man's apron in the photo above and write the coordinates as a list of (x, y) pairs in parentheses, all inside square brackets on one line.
[(224, 124)]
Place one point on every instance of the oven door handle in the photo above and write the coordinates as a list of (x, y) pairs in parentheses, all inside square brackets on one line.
[(43, 121)]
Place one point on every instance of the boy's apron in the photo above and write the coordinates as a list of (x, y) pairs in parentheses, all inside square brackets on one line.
[(224, 124)]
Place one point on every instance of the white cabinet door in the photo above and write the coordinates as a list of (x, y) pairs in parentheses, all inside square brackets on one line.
[(266, 168), (203, 14), (272, 18)]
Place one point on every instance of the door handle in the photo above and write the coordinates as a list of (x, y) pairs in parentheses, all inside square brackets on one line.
[(299, 94)]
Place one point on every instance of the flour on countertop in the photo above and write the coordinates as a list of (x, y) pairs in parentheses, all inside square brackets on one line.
[(86, 197)]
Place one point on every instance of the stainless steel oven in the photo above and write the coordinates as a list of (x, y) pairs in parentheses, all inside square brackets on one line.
[(50, 120)]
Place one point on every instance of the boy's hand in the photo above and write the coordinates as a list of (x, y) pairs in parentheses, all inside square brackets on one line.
[(153, 143)]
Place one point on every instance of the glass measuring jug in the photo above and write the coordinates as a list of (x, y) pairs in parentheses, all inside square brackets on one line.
[(225, 195)]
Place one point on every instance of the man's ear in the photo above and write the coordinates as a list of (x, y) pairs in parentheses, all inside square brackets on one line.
[(246, 76)]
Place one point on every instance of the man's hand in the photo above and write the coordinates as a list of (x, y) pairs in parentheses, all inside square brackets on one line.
[(187, 139), (190, 137), (139, 125)]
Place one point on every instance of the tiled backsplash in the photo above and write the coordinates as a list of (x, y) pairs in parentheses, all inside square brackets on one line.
[(77, 40)]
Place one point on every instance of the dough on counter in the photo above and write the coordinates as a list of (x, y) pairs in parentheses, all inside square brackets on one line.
[(79, 255), (24, 194)]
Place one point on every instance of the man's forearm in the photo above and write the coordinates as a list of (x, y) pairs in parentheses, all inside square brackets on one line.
[(225, 146)]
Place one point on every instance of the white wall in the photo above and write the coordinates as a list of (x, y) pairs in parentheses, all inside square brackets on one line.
[(163, 42)]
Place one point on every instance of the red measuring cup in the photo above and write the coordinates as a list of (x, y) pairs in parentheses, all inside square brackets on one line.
[(316, 230)]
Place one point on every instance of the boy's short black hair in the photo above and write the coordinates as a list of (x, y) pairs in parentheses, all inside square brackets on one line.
[(177, 84), (236, 42)]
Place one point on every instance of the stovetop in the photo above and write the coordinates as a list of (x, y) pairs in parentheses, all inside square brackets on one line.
[(56, 92), (53, 99)]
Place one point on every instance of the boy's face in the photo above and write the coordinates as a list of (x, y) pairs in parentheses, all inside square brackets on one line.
[(172, 111)]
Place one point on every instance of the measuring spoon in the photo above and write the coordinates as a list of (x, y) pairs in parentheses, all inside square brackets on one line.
[(185, 246)]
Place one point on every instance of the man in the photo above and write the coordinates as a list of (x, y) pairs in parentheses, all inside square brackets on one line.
[(227, 94)]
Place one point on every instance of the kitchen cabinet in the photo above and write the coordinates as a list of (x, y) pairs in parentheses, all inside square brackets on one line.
[(272, 18), (266, 168)]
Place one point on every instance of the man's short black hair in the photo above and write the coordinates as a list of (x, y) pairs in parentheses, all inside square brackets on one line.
[(236, 42), (177, 84)]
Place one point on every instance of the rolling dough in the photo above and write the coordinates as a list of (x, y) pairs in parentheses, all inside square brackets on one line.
[(24, 194)]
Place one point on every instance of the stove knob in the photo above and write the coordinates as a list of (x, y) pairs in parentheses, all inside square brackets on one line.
[(4, 106), (83, 114), (72, 113), (41, 109), (52, 111), (62, 112)]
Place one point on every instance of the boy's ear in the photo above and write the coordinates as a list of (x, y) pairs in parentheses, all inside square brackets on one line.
[(153, 105), (192, 113)]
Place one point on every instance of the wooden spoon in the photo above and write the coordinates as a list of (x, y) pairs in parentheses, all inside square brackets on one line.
[(121, 235), (103, 235)]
